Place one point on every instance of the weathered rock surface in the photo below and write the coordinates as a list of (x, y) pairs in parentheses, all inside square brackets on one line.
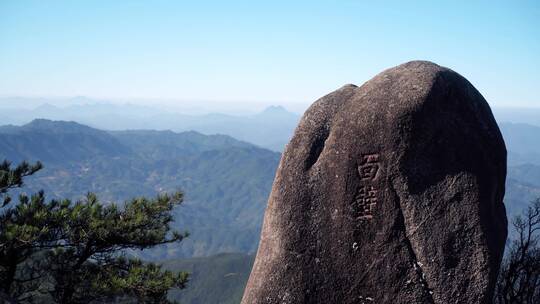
[(387, 193)]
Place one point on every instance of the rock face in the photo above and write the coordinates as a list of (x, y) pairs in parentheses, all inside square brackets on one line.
[(387, 193)]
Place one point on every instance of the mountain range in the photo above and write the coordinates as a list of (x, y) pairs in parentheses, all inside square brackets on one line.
[(270, 128)]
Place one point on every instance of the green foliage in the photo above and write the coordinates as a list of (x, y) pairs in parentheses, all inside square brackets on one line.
[(65, 252), (111, 278), (12, 178)]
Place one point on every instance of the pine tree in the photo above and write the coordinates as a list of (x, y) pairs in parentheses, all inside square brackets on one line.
[(75, 252)]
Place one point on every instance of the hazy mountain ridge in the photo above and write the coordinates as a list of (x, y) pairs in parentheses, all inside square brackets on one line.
[(270, 128), (522, 141), (521, 115)]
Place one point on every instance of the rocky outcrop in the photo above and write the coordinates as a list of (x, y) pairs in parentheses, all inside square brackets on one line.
[(387, 193)]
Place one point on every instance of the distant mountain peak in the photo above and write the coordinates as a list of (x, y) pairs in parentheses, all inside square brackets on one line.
[(277, 116), (274, 110), (46, 107)]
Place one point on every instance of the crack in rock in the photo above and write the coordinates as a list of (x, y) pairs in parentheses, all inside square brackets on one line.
[(416, 265)]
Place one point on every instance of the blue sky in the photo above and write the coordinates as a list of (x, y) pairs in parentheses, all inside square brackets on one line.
[(273, 51)]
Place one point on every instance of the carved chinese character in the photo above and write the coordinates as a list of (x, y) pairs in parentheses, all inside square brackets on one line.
[(369, 167), (365, 202)]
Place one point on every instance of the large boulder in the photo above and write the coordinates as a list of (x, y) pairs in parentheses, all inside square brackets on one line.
[(391, 192)]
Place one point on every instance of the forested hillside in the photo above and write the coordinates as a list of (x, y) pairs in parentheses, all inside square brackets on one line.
[(216, 279), (226, 181)]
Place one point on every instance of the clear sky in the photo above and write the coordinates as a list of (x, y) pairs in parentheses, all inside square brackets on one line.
[(253, 51)]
